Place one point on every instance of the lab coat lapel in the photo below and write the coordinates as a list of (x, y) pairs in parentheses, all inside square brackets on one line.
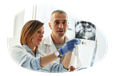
[(49, 42), (50, 46)]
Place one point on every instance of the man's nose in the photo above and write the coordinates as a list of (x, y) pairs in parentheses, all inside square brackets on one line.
[(60, 26)]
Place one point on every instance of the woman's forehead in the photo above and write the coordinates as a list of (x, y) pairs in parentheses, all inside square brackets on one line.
[(41, 28)]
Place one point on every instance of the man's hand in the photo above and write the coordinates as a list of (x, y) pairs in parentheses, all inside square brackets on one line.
[(72, 68), (69, 46)]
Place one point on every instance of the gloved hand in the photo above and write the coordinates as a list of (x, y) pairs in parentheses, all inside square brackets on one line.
[(69, 46)]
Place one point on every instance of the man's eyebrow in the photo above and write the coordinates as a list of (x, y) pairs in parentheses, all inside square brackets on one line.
[(57, 20), (64, 20)]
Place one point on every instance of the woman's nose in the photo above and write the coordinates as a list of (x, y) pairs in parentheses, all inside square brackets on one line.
[(41, 36)]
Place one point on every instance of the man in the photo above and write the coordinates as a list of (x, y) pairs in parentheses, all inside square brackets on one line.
[(51, 43)]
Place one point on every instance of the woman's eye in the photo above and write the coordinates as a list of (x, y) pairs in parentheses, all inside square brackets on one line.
[(38, 31)]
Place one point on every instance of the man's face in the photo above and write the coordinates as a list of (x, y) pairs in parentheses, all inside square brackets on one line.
[(58, 24)]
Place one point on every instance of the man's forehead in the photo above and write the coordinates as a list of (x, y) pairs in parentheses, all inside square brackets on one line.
[(58, 20), (59, 17)]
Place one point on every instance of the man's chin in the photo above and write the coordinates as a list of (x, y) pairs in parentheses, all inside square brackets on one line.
[(61, 35)]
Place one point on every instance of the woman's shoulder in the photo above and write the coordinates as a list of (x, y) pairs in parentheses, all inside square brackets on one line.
[(17, 48)]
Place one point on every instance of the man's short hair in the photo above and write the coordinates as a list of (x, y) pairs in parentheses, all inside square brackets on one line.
[(58, 11)]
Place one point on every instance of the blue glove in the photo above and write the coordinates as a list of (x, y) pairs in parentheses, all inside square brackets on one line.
[(69, 46)]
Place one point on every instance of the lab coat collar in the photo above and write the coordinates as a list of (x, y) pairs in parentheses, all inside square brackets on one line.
[(66, 39), (49, 41)]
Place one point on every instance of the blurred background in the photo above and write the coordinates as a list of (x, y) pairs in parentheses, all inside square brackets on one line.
[(42, 11)]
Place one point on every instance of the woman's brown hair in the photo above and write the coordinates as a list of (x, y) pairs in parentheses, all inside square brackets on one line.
[(28, 30)]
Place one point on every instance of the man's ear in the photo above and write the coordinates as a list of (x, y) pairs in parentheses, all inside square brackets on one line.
[(50, 25), (68, 25)]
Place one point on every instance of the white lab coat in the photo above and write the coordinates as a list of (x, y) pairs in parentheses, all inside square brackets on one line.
[(47, 46)]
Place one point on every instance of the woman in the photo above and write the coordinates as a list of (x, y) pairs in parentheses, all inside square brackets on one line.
[(29, 57)]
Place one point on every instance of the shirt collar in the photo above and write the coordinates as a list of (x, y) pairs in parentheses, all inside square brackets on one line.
[(28, 49)]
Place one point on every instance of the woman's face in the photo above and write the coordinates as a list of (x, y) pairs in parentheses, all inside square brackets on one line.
[(37, 38)]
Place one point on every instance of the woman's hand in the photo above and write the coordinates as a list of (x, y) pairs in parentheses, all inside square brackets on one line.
[(72, 68)]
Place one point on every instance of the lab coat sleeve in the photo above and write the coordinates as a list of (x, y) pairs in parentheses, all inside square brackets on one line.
[(56, 68), (25, 60)]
